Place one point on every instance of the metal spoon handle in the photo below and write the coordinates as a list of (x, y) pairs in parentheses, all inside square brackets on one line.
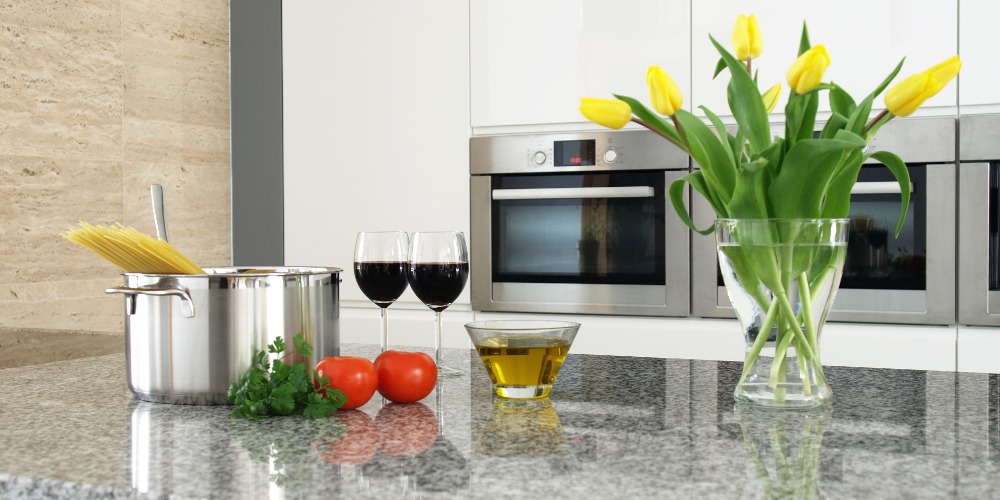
[(159, 211)]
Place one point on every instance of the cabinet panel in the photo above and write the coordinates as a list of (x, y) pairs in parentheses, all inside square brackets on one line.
[(533, 61), (376, 128), (865, 39), (978, 21)]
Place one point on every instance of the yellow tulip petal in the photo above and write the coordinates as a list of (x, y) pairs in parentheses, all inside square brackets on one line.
[(756, 41), (771, 97), (807, 71), (741, 39), (663, 92), (610, 113), (946, 70)]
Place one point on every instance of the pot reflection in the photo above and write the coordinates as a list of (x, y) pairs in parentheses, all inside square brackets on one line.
[(782, 452)]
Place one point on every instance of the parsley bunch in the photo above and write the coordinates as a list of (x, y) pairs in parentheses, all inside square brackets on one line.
[(281, 389)]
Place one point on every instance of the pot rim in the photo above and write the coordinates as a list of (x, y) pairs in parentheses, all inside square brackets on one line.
[(244, 271)]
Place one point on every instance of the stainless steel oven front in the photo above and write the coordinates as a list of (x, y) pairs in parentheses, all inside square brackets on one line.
[(979, 221), (577, 223), (909, 279)]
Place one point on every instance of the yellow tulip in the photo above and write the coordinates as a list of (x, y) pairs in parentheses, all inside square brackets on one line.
[(771, 97), (807, 71), (906, 96), (610, 113), (666, 97), (746, 38)]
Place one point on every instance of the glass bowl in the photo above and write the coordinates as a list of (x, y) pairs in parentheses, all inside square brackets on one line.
[(522, 357)]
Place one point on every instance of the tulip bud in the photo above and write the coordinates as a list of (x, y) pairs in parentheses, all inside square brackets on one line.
[(610, 113), (746, 38), (771, 97), (807, 71), (663, 91), (906, 96)]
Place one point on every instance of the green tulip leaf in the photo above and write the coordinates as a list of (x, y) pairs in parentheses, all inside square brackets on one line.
[(800, 117), (710, 153), (838, 195), (797, 190), (848, 136), (721, 65), (739, 144), (745, 102), (841, 102), (898, 169), (804, 41), (750, 195), (644, 114), (723, 133), (697, 181), (836, 123), (859, 117), (885, 83)]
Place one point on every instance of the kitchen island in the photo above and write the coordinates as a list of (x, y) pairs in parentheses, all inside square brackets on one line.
[(614, 427)]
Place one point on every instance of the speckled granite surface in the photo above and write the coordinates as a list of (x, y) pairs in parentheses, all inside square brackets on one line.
[(614, 427)]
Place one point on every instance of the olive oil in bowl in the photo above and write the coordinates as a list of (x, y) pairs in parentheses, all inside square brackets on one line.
[(522, 358)]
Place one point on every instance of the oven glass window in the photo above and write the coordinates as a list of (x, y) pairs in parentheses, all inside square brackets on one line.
[(876, 258), (994, 209), (580, 240)]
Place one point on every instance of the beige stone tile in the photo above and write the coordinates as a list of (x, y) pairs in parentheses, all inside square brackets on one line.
[(159, 141), (195, 28), (100, 19), (175, 88), (62, 95), (20, 348), (198, 208), (42, 198), (63, 305)]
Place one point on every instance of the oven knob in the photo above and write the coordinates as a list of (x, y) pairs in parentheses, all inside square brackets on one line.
[(610, 156), (539, 157)]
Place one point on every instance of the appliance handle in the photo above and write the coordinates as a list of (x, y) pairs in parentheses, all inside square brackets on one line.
[(583, 192), (878, 188), (187, 308)]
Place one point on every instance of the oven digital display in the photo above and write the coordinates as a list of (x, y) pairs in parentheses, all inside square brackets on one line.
[(575, 153)]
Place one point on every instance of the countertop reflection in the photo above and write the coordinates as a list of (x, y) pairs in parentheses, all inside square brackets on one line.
[(614, 427)]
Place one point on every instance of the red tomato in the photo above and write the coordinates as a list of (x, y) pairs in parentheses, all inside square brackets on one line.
[(406, 429), (357, 446), (405, 377), (356, 377)]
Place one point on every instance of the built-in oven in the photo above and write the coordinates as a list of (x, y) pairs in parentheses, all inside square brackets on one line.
[(577, 223), (979, 221), (909, 278)]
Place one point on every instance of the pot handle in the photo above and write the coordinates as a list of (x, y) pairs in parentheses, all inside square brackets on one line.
[(187, 309)]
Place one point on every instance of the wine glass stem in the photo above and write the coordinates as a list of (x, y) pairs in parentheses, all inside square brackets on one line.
[(385, 329), (437, 338)]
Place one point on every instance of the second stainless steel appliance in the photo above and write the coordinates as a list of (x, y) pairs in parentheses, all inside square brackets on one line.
[(979, 221), (909, 279), (577, 223)]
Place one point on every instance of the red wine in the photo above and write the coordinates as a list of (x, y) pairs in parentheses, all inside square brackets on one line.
[(381, 282), (438, 284)]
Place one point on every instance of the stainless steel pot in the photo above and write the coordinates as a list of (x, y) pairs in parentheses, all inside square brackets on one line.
[(188, 337)]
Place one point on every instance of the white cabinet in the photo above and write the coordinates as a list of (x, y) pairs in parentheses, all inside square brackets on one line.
[(376, 126), (865, 39), (980, 80), (533, 61), (978, 349)]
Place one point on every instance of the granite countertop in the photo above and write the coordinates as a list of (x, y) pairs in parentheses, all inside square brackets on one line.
[(614, 427)]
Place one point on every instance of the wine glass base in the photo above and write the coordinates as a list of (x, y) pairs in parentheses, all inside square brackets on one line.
[(448, 372)]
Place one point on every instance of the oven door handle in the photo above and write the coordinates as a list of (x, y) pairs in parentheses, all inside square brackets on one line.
[(877, 188), (583, 192)]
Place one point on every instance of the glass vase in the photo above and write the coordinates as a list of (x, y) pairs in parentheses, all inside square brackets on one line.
[(782, 276)]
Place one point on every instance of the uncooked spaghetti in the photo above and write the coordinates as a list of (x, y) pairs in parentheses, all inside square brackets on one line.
[(132, 251)]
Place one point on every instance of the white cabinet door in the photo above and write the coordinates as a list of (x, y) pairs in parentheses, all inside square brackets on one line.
[(979, 79), (865, 39), (376, 126), (533, 61)]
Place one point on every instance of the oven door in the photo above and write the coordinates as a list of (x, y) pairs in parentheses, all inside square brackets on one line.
[(979, 244), (909, 279), (590, 243)]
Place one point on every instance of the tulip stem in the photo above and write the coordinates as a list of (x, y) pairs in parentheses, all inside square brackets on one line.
[(874, 121), (680, 131), (748, 67), (664, 134)]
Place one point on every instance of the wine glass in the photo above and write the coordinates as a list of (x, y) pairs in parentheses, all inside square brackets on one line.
[(439, 268), (380, 268)]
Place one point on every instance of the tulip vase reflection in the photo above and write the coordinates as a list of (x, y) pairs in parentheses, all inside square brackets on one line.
[(781, 276), (783, 452)]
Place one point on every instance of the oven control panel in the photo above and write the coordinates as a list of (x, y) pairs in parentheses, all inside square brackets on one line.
[(579, 152)]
